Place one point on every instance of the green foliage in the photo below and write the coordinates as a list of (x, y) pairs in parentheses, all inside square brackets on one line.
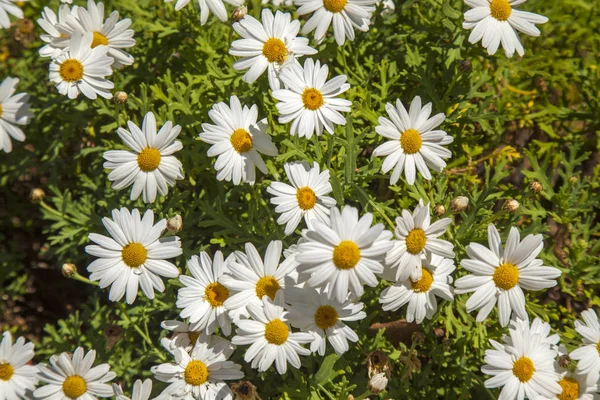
[(514, 122)]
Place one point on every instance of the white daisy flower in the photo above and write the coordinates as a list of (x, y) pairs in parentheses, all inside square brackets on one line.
[(267, 45), (345, 254), (346, 16), (270, 336), (523, 369), (81, 69), (251, 278), (16, 377), (14, 111), (497, 21), (184, 336), (140, 391), (588, 355), (67, 1), (58, 31), (414, 145), (74, 378), (310, 101), (151, 167), (500, 276), (217, 7), (421, 294), (8, 7), (575, 387), (202, 296), (238, 140), (316, 313), (538, 327), (304, 198), (110, 32), (416, 238), (277, 3), (133, 256), (200, 374)]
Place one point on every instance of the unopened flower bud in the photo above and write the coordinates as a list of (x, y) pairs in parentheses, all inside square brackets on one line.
[(378, 383), (175, 224), (68, 270), (459, 204), (439, 210), (512, 205), (536, 186), (239, 13), (244, 390), (37, 194), (121, 97)]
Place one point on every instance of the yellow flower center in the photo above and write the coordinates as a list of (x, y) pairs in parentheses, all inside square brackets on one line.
[(306, 198), (193, 336), (74, 386), (334, 5), (523, 369), (570, 389), (99, 40), (134, 255), (346, 255), (195, 373), (326, 317), (241, 140), (0, 110), (411, 141), (149, 159), (312, 99), (423, 284), (267, 285), (415, 241), (71, 70), (500, 9), (6, 371), (506, 276), (598, 348), (276, 332), (216, 294), (275, 51)]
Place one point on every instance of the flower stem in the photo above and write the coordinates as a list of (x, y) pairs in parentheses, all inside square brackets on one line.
[(83, 279)]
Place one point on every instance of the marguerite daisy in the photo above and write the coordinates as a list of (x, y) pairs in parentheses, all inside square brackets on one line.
[(417, 237), (252, 278), (575, 387), (133, 256), (523, 368), (140, 391), (267, 45), (74, 378), (538, 327), (200, 374), (8, 7), (184, 336), (500, 276), (309, 101), (16, 377), (58, 32), (202, 296), (110, 32), (270, 336), (588, 355), (421, 294), (497, 21), (82, 69), (14, 111), (345, 254), (346, 15), (217, 7), (237, 141), (151, 167), (414, 145), (304, 198), (316, 313)]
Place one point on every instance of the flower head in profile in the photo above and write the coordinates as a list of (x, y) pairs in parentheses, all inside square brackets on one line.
[(150, 167), (415, 144), (496, 22), (14, 112), (9, 7), (58, 31), (500, 275), (184, 336), (217, 7), (588, 354), (16, 376)]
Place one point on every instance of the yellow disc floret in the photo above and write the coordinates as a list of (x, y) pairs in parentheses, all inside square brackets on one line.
[(306, 198), (411, 141), (216, 294), (276, 332), (267, 285), (570, 389), (71, 70), (523, 369), (312, 99), (149, 159), (99, 40), (423, 284), (195, 373), (415, 241), (500, 9), (326, 317), (6, 371), (506, 276), (0, 110), (346, 255), (134, 255), (74, 386), (334, 5), (241, 140), (275, 51)]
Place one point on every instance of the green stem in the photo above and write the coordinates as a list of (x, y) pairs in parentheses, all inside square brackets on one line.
[(57, 213), (363, 396), (135, 326), (83, 279)]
